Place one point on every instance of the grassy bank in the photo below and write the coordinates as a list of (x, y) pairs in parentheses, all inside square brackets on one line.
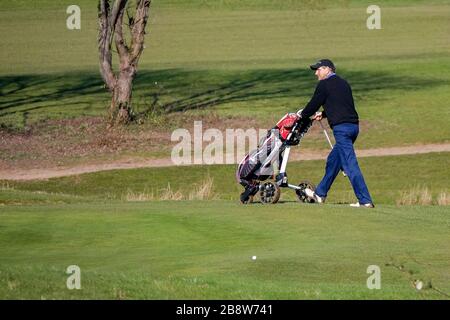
[(389, 179)]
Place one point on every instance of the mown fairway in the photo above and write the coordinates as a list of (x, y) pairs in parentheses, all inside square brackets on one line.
[(203, 250)]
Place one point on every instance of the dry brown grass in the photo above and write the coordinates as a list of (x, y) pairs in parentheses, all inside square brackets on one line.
[(139, 196), (443, 199), (5, 186), (204, 191), (201, 191), (120, 294), (169, 194), (420, 195), (416, 196)]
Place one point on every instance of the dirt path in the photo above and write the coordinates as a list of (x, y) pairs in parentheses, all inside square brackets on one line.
[(47, 173)]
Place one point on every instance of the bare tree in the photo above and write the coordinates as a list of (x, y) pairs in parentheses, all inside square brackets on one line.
[(120, 84)]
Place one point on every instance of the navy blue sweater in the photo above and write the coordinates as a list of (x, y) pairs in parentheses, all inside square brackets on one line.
[(335, 95)]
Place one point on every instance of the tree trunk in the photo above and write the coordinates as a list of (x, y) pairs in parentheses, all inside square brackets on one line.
[(111, 14), (120, 111)]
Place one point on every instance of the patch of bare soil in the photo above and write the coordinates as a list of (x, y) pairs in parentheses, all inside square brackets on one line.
[(58, 142), (59, 148), (75, 142)]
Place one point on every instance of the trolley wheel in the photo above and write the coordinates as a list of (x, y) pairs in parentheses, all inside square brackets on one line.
[(302, 197), (269, 193)]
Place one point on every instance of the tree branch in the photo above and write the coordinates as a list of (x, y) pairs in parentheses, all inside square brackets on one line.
[(118, 8), (104, 44), (121, 46), (138, 30)]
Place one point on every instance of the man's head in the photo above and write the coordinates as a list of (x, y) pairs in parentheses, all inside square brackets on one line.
[(323, 68)]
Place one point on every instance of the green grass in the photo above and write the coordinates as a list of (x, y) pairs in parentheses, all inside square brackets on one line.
[(243, 61), (198, 37), (386, 177), (202, 250), (231, 57), (18, 197)]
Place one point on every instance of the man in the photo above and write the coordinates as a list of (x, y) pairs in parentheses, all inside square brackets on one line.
[(335, 95)]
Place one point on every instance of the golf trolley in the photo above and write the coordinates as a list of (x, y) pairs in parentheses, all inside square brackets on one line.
[(258, 166)]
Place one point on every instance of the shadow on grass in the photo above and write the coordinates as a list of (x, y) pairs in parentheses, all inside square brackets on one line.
[(176, 90), (28, 90)]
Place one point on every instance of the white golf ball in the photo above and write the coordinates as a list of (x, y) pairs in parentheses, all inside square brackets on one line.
[(254, 258), (419, 285)]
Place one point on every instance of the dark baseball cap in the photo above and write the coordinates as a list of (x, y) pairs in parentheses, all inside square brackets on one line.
[(323, 63)]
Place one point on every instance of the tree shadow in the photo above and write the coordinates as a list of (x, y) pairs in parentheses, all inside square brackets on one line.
[(178, 90), (31, 90), (254, 85)]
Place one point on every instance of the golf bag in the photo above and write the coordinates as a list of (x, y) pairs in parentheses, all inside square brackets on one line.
[(270, 157)]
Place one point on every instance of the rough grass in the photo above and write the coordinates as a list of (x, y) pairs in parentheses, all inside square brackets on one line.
[(200, 191), (416, 196), (204, 191), (169, 194), (139, 196), (443, 199)]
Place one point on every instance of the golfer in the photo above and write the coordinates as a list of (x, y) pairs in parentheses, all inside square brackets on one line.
[(335, 95)]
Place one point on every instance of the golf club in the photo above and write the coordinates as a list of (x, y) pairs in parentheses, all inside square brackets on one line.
[(329, 141)]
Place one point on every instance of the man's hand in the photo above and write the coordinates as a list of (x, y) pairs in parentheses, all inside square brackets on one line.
[(318, 116)]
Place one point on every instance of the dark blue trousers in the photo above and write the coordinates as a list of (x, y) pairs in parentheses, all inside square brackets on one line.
[(343, 156)]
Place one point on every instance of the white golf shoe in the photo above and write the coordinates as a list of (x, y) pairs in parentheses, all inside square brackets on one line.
[(312, 195), (358, 205)]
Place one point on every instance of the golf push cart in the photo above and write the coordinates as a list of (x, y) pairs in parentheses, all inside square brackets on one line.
[(256, 171)]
